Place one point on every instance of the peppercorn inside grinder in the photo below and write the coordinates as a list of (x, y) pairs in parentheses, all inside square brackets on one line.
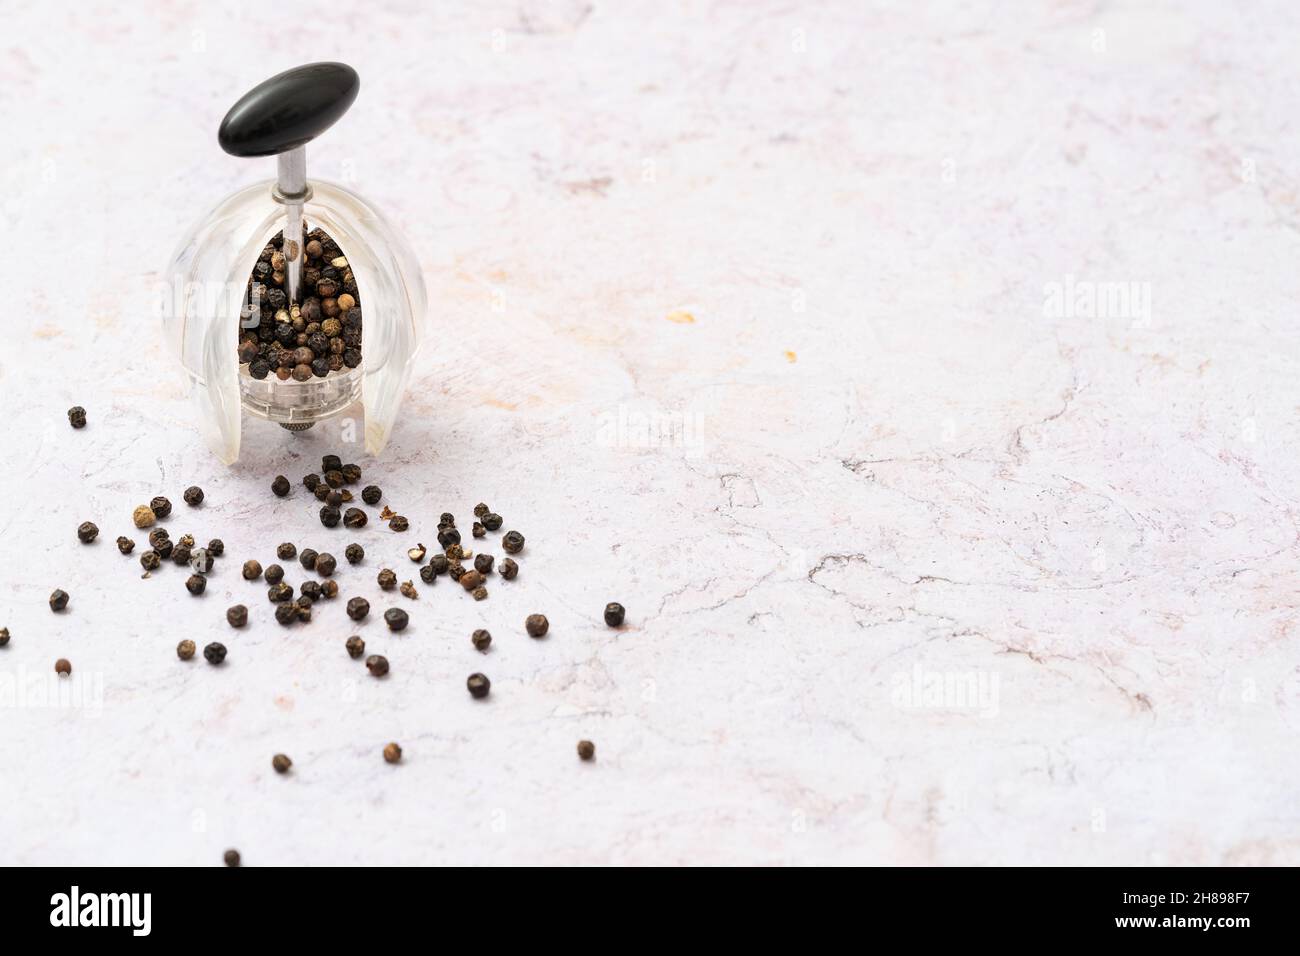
[(209, 276)]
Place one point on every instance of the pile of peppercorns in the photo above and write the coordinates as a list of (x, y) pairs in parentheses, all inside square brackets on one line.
[(311, 338)]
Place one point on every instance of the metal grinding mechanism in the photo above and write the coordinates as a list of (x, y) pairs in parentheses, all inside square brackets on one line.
[(293, 299)]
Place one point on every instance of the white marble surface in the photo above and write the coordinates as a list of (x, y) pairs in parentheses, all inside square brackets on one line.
[(813, 246)]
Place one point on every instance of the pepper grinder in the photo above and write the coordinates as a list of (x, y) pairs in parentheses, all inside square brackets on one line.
[(209, 303)]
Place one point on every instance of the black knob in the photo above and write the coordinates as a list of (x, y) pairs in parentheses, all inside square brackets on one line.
[(288, 110)]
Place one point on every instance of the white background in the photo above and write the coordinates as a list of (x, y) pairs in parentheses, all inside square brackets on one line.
[(812, 246)]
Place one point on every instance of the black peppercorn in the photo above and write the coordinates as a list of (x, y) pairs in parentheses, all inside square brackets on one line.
[(351, 474), (398, 523), (279, 593), (157, 536), (4, 636), (259, 368), (536, 625), (481, 640), (354, 553), (513, 542), (479, 593), (286, 614), (164, 548), (334, 499), (331, 463), (481, 509), (77, 416), (586, 750), (614, 614), (150, 560), (508, 569), (377, 664), (286, 551), (354, 518), (439, 563), (237, 615), (214, 653), (310, 590), (478, 686), (455, 552), (307, 558), (274, 574), (329, 516), (371, 494), (392, 753), (87, 532), (181, 554), (281, 763), (58, 600), (334, 478), (311, 481), (396, 619), (470, 580), (252, 570), (185, 650), (125, 544), (216, 547), (196, 584), (446, 520), (491, 521), (358, 608), (455, 570), (160, 507), (427, 575), (329, 589), (447, 536), (356, 646), (280, 486), (231, 857), (387, 579), (478, 530), (325, 564), (483, 563), (63, 667), (193, 496)]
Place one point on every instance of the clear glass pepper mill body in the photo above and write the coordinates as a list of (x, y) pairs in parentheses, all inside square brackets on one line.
[(208, 278)]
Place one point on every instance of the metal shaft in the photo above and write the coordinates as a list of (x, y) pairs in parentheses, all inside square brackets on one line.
[(291, 180)]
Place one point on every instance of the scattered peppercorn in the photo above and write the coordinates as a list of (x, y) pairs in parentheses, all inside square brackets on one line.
[(4, 636), (427, 575), (537, 625), (354, 553), (334, 498), (351, 474), (252, 570), (408, 590), (280, 486), (186, 541), (447, 520), (322, 492), (214, 653), (164, 548), (157, 536), (392, 753), (329, 589), (481, 509), (181, 554), (492, 522), (326, 564), (513, 542), (455, 570), (231, 858), (281, 763), (478, 686), (356, 647), (479, 593), (143, 516), (358, 608), (478, 530), (77, 416), (398, 523), (447, 536), (417, 553), (279, 593), (371, 494), (387, 579), (87, 532), (377, 665), (329, 516), (216, 547), (58, 600), (439, 563), (354, 518), (185, 649), (274, 574), (193, 496), (334, 478), (586, 749), (481, 640), (286, 551), (311, 481), (161, 506), (330, 463), (471, 580), (237, 615), (396, 619), (614, 614), (455, 552), (196, 584), (483, 563), (63, 667), (307, 558), (150, 560), (286, 614)]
